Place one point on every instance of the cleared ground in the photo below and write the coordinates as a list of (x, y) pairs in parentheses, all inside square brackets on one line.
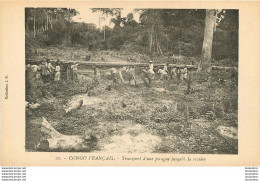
[(160, 118)]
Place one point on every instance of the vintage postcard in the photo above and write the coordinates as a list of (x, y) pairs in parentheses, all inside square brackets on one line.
[(130, 83)]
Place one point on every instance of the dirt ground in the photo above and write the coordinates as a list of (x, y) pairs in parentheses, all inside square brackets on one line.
[(81, 54), (159, 118)]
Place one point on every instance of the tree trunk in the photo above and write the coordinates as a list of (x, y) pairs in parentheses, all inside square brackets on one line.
[(208, 40), (167, 45), (38, 28), (104, 32), (47, 21), (34, 29), (155, 42), (45, 26), (42, 25), (66, 41), (51, 22), (151, 39), (179, 48)]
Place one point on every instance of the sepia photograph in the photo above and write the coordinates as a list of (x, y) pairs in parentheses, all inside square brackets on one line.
[(131, 80)]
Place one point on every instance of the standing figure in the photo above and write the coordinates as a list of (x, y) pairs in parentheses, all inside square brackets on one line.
[(35, 69), (44, 71), (36, 74), (57, 72), (182, 73), (178, 72), (165, 68), (97, 75), (151, 71), (185, 73), (173, 73), (50, 69), (113, 73), (151, 66), (74, 69), (68, 72)]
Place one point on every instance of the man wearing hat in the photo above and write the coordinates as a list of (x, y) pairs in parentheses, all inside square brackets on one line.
[(150, 71), (151, 65)]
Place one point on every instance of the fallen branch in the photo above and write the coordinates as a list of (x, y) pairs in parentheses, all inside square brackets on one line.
[(58, 141)]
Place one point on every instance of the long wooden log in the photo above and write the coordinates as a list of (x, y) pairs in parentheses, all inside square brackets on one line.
[(121, 64)]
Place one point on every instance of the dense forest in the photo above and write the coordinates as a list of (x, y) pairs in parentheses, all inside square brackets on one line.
[(159, 32)]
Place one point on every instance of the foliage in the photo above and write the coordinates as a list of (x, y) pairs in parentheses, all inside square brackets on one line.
[(175, 32)]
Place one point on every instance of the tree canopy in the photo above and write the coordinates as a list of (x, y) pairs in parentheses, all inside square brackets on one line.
[(159, 31)]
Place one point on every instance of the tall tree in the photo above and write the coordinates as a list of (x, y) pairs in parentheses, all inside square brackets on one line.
[(210, 23), (112, 12), (151, 18), (225, 44), (40, 21)]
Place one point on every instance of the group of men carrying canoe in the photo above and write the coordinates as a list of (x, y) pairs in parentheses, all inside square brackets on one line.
[(48, 73)]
